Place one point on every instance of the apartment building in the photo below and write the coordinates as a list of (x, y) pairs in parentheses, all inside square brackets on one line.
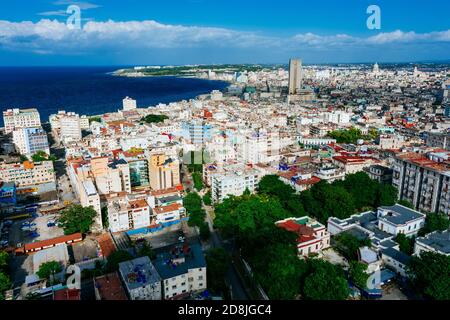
[(164, 172), (27, 173), (329, 173), (70, 130), (353, 164), (129, 104), (393, 141), (309, 141), (258, 146), (166, 206), (438, 140), (111, 177), (14, 119), (423, 180), (182, 269), (313, 236), (197, 131), (126, 213), (141, 279), (29, 141), (380, 173), (55, 120), (82, 181), (233, 183)]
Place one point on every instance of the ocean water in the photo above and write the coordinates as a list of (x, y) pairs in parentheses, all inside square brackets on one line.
[(90, 90)]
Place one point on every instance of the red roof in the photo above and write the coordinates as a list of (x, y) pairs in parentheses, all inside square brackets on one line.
[(110, 288), (106, 245), (290, 226), (67, 294), (52, 242)]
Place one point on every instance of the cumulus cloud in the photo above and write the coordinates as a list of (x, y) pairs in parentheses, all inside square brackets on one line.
[(51, 36)]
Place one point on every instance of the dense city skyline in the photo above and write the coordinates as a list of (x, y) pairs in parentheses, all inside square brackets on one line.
[(185, 32)]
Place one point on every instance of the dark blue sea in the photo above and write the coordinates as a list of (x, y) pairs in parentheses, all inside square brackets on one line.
[(90, 90)]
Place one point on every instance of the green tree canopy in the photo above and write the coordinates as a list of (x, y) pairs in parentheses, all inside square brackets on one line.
[(117, 257), (248, 216), (198, 181), (325, 282), (77, 219), (405, 203), (272, 185), (5, 284), (48, 269), (331, 201), (218, 262), (406, 244), (154, 118), (146, 250), (358, 274), (4, 260), (279, 270), (348, 245), (42, 156), (192, 202), (207, 199), (435, 222), (430, 274), (205, 233), (351, 135)]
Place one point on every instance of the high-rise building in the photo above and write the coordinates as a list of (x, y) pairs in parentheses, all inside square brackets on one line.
[(56, 125), (129, 104), (164, 172), (423, 180), (70, 127), (233, 183), (29, 141), (376, 68), (295, 76), (17, 119), (197, 131)]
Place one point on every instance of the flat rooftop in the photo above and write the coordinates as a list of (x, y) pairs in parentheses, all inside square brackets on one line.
[(399, 214), (439, 240), (138, 273), (166, 263)]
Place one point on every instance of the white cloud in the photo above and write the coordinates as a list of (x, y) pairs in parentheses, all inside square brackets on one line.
[(53, 13), (81, 4), (52, 36)]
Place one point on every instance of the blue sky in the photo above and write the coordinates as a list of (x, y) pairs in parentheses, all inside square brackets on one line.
[(117, 32)]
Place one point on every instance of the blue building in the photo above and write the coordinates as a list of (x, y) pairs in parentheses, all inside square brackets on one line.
[(198, 132), (447, 111), (8, 193), (29, 141)]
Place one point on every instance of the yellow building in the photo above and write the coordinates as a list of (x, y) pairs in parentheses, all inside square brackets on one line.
[(164, 172)]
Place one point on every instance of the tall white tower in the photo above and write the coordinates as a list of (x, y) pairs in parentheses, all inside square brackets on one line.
[(129, 104), (295, 76)]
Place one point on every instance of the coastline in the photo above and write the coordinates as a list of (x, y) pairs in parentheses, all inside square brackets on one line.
[(94, 91)]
